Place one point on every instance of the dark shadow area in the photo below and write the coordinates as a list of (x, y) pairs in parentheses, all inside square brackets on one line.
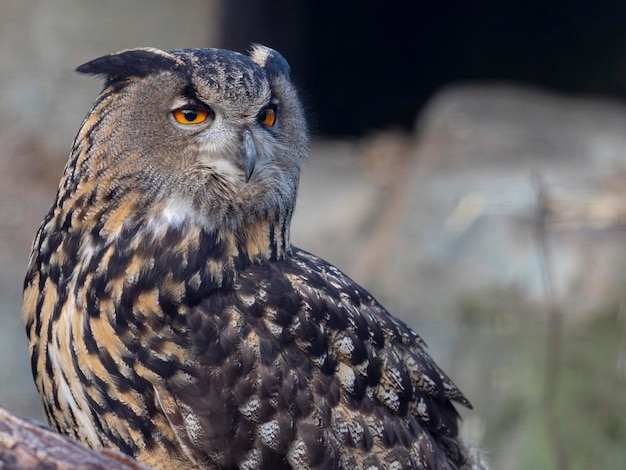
[(368, 65)]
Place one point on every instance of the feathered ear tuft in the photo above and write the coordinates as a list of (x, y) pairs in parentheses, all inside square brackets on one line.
[(130, 63), (273, 63)]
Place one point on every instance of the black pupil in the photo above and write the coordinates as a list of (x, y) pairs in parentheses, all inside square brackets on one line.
[(190, 114)]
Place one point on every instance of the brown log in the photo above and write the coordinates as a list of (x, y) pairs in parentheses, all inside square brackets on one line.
[(25, 444)]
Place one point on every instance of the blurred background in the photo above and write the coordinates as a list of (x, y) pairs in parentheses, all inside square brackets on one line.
[(468, 167)]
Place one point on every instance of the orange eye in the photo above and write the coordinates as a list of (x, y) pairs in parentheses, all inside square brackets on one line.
[(267, 116), (190, 115)]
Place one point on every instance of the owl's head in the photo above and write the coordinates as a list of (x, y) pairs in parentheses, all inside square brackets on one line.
[(207, 134)]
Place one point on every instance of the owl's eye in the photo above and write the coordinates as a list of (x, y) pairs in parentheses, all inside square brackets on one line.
[(267, 116), (190, 115)]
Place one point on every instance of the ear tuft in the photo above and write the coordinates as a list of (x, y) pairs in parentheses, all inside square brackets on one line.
[(273, 63), (130, 63)]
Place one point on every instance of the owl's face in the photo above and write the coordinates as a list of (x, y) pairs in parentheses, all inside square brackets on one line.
[(207, 132)]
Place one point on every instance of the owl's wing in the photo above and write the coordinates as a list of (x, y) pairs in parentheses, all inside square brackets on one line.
[(300, 366)]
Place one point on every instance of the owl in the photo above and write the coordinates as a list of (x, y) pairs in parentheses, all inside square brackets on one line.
[(168, 314)]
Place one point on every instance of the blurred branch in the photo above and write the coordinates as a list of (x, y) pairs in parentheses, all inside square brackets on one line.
[(25, 444), (553, 347)]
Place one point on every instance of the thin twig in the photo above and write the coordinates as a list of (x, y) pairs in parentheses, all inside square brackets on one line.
[(553, 347)]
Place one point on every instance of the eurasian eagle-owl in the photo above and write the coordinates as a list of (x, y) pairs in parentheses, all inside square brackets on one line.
[(170, 317)]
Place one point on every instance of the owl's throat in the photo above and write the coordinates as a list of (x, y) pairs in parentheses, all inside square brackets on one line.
[(265, 239)]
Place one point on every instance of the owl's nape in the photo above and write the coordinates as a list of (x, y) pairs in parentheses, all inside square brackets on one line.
[(170, 317)]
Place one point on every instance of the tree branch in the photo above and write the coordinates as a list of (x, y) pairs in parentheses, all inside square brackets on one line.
[(24, 444)]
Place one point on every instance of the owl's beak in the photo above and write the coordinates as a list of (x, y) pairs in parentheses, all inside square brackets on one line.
[(247, 153)]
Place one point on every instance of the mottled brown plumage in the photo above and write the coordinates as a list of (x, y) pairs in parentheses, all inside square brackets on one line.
[(168, 314)]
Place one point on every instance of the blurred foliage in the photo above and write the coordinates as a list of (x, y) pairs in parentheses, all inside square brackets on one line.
[(509, 333)]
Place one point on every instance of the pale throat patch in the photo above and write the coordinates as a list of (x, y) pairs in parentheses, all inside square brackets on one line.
[(175, 213)]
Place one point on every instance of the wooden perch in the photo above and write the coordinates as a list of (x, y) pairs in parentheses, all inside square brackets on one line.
[(24, 444)]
